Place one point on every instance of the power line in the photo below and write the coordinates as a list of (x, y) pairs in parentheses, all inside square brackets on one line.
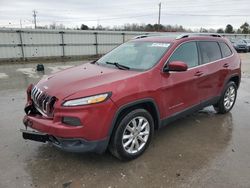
[(212, 15), (166, 14), (172, 4), (103, 19), (137, 16), (115, 17)]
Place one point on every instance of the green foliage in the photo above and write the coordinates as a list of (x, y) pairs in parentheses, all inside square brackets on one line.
[(245, 29), (84, 27), (220, 30), (229, 29)]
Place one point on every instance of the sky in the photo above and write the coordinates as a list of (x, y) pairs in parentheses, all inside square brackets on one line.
[(192, 14)]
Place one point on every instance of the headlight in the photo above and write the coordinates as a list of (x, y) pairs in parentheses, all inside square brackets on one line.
[(87, 100)]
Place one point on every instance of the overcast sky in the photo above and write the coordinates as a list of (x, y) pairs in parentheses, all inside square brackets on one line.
[(189, 13)]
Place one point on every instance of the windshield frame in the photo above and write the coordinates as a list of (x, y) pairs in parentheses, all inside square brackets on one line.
[(136, 69)]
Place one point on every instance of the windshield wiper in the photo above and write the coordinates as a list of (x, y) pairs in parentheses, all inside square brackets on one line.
[(94, 61), (119, 66)]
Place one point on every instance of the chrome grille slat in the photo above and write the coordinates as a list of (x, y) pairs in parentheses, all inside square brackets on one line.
[(47, 106), (34, 89), (37, 94), (34, 92), (43, 104)]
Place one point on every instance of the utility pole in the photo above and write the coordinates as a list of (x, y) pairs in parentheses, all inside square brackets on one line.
[(98, 23), (159, 17), (34, 16), (21, 26)]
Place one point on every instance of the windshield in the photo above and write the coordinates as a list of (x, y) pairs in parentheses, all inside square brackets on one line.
[(137, 55), (241, 42)]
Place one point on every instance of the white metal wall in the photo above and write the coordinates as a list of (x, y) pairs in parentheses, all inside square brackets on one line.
[(25, 44)]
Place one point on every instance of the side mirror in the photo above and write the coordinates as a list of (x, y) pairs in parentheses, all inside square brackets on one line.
[(177, 66)]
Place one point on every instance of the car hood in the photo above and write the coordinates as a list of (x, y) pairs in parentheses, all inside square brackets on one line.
[(83, 77), (241, 44)]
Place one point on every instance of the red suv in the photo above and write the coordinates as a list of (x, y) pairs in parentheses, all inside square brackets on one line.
[(119, 100)]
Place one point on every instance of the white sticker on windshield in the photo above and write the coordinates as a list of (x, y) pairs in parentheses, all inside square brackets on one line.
[(163, 45)]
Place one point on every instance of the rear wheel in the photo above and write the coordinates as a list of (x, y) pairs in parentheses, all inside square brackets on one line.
[(227, 99), (132, 135)]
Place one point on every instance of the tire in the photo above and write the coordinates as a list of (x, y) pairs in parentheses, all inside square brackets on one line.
[(123, 142), (227, 99)]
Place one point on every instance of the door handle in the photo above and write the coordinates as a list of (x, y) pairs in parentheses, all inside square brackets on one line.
[(198, 73), (226, 65)]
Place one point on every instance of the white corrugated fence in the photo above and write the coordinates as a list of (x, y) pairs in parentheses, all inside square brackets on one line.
[(29, 43)]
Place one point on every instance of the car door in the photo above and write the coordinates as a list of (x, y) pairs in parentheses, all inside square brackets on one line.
[(225, 65), (210, 60), (179, 89)]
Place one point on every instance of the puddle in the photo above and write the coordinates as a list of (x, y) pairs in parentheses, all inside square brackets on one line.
[(3, 75), (30, 72), (59, 68)]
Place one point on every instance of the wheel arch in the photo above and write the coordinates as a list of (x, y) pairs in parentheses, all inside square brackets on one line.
[(235, 79), (148, 104)]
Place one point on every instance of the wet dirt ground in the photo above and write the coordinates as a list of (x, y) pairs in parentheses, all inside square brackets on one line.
[(201, 150)]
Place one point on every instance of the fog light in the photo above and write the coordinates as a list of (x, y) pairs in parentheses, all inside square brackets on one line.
[(72, 121)]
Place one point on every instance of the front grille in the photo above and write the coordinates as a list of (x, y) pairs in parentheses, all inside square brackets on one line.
[(43, 102)]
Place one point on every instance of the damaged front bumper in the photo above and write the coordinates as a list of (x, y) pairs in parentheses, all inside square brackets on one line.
[(85, 137), (66, 144)]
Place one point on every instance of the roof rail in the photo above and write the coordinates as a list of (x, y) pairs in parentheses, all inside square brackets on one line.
[(145, 35), (185, 35), (140, 36)]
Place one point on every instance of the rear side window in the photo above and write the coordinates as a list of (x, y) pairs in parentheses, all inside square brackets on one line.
[(186, 53), (210, 51), (226, 51)]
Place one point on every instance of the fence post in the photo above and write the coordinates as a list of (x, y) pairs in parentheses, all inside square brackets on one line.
[(96, 43), (62, 44), (21, 43), (123, 37)]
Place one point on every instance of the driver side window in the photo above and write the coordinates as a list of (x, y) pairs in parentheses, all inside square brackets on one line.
[(186, 53)]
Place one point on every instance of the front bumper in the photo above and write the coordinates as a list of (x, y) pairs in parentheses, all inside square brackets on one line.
[(94, 121), (71, 145), (241, 48), (91, 135)]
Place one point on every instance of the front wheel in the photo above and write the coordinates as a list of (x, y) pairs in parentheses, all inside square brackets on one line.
[(132, 135), (227, 99)]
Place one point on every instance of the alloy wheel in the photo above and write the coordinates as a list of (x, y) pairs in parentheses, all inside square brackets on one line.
[(136, 135), (229, 97)]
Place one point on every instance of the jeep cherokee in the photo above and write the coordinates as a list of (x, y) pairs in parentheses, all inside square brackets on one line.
[(142, 85)]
